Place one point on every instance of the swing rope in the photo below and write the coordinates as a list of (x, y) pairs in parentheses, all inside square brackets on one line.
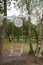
[(19, 50)]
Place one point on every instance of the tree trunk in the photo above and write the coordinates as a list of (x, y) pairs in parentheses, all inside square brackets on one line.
[(39, 38), (17, 36), (30, 43), (3, 28), (26, 36), (29, 26)]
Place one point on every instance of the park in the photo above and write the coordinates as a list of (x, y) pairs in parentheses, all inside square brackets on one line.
[(21, 32)]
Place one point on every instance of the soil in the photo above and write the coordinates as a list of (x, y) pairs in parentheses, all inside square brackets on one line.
[(25, 59)]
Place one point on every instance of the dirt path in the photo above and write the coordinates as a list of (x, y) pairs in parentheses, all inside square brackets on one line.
[(23, 60)]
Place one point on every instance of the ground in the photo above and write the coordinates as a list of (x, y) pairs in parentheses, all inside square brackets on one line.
[(25, 59)]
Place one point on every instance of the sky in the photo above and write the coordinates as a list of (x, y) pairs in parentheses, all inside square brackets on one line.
[(14, 12)]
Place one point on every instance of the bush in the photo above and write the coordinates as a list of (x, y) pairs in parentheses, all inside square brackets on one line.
[(42, 53)]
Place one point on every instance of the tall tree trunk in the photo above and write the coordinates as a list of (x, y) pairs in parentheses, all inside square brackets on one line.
[(29, 25), (30, 42), (3, 28), (39, 38)]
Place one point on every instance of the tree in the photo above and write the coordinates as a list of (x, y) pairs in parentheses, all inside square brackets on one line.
[(21, 5), (3, 28), (4, 10), (29, 22), (39, 37), (35, 8)]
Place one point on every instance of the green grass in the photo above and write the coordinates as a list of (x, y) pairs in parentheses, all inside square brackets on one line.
[(7, 46)]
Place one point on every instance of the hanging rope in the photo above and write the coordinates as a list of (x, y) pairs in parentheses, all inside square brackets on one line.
[(18, 50)]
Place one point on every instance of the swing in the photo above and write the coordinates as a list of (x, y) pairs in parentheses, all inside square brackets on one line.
[(16, 50)]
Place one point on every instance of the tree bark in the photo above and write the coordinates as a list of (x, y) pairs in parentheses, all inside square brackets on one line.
[(39, 38), (29, 26), (3, 28)]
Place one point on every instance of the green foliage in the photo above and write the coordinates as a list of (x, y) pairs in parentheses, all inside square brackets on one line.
[(42, 53), (13, 31), (36, 3), (1, 10)]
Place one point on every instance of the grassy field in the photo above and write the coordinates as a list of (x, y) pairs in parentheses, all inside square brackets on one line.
[(25, 46)]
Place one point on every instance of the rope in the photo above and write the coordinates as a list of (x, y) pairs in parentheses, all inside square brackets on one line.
[(12, 47)]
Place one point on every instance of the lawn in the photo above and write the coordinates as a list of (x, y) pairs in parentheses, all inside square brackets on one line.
[(25, 46), (24, 59)]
